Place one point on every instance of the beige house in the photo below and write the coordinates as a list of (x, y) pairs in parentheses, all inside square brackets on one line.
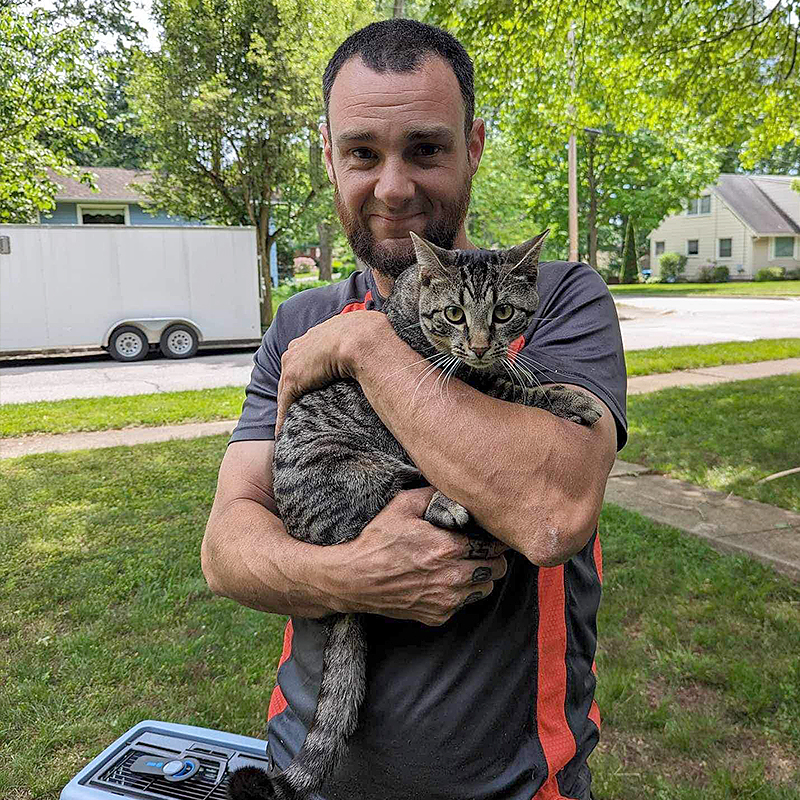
[(744, 222)]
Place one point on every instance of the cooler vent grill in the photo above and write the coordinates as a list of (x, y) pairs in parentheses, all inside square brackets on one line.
[(201, 786)]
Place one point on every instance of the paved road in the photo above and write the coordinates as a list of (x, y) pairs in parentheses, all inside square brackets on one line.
[(667, 321), (645, 322)]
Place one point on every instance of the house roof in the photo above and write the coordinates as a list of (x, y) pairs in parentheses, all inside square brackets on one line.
[(766, 203), (113, 184)]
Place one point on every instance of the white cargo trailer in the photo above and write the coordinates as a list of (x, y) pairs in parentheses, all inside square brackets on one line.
[(127, 290)]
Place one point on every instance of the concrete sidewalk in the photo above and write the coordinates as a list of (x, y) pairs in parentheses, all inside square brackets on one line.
[(728, 523)]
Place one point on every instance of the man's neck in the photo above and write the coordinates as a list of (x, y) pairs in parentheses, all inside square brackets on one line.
[(385, 284)]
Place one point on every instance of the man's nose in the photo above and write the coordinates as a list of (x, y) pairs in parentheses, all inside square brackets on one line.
[(394, 187)]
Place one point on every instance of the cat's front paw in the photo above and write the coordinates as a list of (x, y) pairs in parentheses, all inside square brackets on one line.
[(446, 513), (585, 410)]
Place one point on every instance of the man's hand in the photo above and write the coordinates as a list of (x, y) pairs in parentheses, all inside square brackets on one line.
[(326, 353), (403, 567)]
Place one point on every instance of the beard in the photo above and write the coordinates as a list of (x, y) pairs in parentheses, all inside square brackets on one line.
[(393, 262)]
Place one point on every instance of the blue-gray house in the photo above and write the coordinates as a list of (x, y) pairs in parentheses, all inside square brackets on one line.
[(116, 201)]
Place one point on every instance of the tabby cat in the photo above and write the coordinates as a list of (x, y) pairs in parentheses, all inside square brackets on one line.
[(336, 465)]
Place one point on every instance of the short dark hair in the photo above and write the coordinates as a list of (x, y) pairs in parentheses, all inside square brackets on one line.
[(399, 45)]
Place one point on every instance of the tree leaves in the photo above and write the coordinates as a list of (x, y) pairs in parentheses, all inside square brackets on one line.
[(49, 104)]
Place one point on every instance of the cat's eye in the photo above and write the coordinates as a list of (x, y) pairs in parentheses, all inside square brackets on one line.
[(454, 314), (503, 312)]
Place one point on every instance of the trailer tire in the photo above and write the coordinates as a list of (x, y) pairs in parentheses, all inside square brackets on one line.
[(179, 341), (128, 343)]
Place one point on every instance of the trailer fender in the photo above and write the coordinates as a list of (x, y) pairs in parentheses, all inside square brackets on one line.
[(151, 327)]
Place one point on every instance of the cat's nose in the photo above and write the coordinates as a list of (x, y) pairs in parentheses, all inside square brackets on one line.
[(479, 351)]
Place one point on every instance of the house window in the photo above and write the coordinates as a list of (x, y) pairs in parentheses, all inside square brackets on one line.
[(725, 248), (659, 248), (784, 247), (102, 215), (692, 247), (699, 205)]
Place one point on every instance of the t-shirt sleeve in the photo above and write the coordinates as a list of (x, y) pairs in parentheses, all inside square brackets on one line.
[(576, 338), (261, 396)]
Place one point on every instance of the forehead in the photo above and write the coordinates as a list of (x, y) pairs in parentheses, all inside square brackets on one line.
[(364, 100)]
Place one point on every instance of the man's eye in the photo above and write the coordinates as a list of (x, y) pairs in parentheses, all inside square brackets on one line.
[(427, 150), (363, 153)]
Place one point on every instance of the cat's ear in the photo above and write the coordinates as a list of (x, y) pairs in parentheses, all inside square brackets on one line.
[(524, 258), (432, 260)]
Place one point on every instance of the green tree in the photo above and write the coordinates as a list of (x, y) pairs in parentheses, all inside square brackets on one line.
[(667, 92), (49, 104), (231, 102), (629, 271)]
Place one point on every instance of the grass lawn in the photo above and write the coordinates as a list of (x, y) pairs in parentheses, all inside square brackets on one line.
[(170, 408), (106, 413), (737, 289), (695, 356), (724, 437), (105, 620)]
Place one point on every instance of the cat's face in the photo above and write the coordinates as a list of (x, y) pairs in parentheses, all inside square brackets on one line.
[(474, 303)]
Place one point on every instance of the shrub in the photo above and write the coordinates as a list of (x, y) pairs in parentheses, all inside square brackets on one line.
[(705, 274), (713, 274), (770, 274), (792, 275), (654, 279), (721, 274), (672, 266), (629, 273), (304, 264)]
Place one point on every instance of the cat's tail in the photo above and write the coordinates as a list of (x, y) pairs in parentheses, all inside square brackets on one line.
[(340, 696)]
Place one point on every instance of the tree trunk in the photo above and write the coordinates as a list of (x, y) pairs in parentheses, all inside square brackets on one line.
[(591, 221), (264, 243), (399, 8), (325, 231)]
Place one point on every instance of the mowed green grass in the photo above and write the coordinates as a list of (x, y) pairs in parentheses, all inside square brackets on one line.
[(697, 356), (108, 413), (726, 437), (172, 408), (736, 289), (105, 620)]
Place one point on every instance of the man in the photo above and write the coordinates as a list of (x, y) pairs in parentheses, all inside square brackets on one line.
[(480, 666)]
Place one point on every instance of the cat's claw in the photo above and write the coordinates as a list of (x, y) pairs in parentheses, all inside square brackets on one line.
[(446, 513)]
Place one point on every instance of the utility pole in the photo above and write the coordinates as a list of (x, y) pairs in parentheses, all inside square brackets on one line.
[(573, 164)]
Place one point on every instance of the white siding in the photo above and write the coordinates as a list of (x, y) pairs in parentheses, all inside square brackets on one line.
[(708, 229)]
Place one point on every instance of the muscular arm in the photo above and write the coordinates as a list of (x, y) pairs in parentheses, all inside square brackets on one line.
[(400, 566), (533, 480)]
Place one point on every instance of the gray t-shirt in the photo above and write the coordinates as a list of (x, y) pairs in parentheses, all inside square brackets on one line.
[(499, 702)]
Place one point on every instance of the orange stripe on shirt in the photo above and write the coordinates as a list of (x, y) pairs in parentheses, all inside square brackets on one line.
[(358, 306), (277, 703), (555, 736), (515, 347)]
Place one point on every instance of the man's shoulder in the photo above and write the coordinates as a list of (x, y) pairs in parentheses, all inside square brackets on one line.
[(569, 283), (310, 307)]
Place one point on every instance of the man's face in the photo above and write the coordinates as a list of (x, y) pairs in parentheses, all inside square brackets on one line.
[(399, 160)]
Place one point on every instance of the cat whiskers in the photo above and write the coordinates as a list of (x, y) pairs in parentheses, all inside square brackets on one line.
[(438, 360), (416, 363), (450, 372)]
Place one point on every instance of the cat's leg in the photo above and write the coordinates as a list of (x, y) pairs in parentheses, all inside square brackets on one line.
[(567, 403), (446, 513)]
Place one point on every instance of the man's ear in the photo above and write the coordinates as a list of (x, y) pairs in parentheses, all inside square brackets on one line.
[(327, 154), (475, 144)]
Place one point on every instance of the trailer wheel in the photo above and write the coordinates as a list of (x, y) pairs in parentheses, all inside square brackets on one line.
[(178, 341), (128, 343)]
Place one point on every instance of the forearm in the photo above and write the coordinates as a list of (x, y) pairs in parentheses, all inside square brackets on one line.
[(248, 556), (533, 480)]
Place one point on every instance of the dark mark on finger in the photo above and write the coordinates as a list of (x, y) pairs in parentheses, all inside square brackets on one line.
[(481, 575)]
